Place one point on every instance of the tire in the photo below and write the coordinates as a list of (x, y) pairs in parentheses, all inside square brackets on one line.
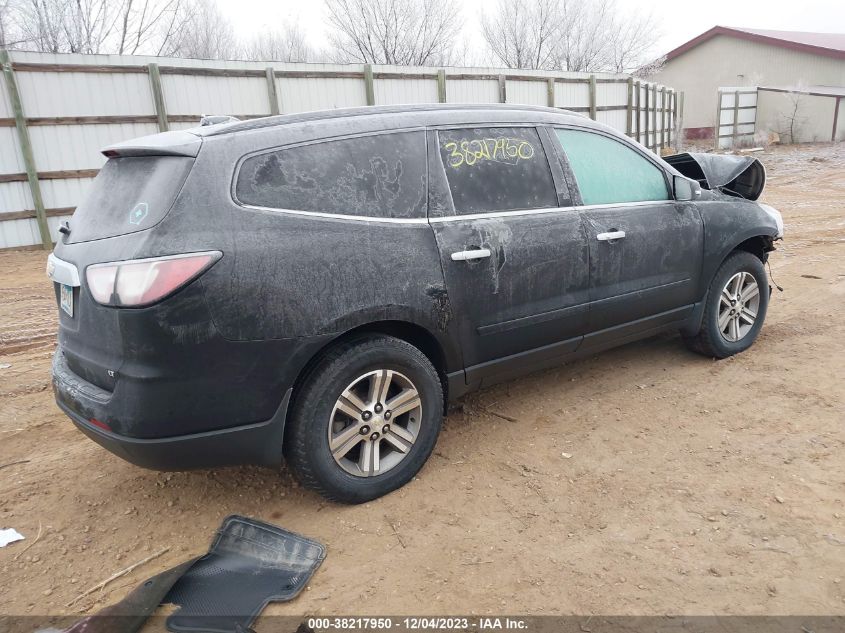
[(718, 342), (322, 424)]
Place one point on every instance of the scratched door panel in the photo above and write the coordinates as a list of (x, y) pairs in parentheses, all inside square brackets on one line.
[(531, 291), (652, 270)]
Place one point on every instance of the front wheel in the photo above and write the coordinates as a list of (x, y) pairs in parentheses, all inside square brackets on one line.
[(365, 420), (736, 307)]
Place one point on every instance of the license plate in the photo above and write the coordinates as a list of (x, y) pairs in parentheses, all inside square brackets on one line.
[(66, 299)]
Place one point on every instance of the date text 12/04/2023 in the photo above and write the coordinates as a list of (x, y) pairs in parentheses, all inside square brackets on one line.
[(408, 623)]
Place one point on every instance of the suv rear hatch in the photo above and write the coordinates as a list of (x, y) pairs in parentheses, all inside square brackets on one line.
[(133, 192), (135, 188)]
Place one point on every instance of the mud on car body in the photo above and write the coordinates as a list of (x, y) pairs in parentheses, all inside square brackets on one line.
[(319, 286)]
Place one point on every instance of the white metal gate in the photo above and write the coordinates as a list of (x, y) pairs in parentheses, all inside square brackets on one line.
[(736, 113)]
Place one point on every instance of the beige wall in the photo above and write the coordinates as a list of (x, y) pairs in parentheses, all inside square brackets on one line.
[(840, 121), (813, 116), (729, 61)]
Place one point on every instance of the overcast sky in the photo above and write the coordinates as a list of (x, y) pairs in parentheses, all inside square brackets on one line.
[(681, 19)]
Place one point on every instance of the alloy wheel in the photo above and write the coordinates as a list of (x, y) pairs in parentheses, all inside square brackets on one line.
[(738, 306), (374, 423)]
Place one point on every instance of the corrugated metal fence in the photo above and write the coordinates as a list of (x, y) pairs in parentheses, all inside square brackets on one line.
[(58, 111)]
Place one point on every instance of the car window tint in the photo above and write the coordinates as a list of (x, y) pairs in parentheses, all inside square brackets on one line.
[(608, 171), (381, 175), (496, 169)]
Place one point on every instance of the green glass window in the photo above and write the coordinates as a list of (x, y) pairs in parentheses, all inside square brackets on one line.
[(608, 171)]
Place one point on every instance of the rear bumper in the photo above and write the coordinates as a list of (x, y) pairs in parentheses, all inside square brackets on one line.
[(259, 443)]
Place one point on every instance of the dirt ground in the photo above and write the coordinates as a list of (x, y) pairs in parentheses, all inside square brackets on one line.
[(646, 480)]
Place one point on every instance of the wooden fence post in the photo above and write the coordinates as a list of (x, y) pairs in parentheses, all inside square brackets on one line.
[(271, 90), (639, 124), (26, 150), (550, 92), (441, 85), (662, 117), (629, 123), (736, 119), (654, 119), (368, 84), (717, 131), (593, 97), (670, 119), (645, 131), (679, 121), (503, 89), (158, 97)]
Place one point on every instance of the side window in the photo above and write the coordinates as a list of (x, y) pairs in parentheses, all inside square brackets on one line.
[(382, 175), (496, 169), (608, 171)]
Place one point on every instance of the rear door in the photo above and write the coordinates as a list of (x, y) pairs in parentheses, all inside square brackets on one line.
[(645, 248), (513, 250)]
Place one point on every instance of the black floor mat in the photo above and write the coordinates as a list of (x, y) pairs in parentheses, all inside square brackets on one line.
[(249, 564)]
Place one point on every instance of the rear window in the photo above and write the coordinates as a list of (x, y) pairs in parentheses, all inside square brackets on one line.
[(496, 169), (609, 172), (129, 194), (381, 175)]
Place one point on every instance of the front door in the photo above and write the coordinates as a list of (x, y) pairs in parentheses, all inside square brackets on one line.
[(513, 249), (645, 248)]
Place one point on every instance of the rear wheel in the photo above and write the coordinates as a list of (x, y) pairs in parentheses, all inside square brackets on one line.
[(366, 419), (736, 307)]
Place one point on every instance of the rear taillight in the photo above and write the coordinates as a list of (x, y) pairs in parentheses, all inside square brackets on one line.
[(140, 282)]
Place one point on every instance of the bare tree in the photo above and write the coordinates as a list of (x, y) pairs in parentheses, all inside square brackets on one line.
[(40, 24), (585, 36), (524, 33), (146, 22), (574, 35), (180, 28), (204, 33), (91, 26), (289, 44), (408, 32), (792, 118), (632, 38), (650, 69), (6, 38)]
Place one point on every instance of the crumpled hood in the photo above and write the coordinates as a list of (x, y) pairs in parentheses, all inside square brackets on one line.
[(741, 176)]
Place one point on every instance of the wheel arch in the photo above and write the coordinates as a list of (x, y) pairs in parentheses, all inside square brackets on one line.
[(758, 245), (759, 242), (435, 348)]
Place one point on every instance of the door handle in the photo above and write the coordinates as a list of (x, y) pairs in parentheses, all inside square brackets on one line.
[(476, 253), (612, 235)]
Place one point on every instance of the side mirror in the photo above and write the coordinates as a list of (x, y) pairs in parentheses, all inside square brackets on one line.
[(685, 189)]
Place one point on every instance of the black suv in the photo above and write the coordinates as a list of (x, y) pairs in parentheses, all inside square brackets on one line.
[(319, 286)]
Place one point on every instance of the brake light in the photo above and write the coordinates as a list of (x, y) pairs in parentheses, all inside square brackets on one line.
[(141, 282)]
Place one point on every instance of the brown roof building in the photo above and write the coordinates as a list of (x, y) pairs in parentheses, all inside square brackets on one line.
[(732, 57)]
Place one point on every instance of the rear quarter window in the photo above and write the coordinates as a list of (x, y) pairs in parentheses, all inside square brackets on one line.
[(608, 171), (381, 175)]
